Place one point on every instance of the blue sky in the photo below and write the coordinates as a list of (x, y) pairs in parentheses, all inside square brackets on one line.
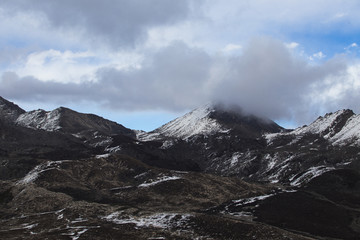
[(142, 63)]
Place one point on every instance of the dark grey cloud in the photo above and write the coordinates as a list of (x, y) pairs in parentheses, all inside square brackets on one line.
[(120, 23), (173, 78), (32, 89), (265, 79)]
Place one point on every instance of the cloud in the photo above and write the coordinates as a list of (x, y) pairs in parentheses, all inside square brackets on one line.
[(292, 45), (53, 65), (231, 48), (118, 23), (172, 79), (339, 91), (68, 66), (318, 55), (266, 79)]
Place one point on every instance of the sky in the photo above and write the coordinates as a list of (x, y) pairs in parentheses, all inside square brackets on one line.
[(142, 63)]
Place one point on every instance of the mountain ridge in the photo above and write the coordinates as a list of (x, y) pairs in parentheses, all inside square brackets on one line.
[(211, 119), (212, 173), (340, 128)]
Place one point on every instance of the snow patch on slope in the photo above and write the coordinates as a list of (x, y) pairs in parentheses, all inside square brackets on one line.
[(146, 137), (35, 173), (40, 119), (245, 201), (309, 174), (158, 220), (159, 180)]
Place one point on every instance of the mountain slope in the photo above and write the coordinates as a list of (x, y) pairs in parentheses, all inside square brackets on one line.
[(119, 197), (22, 148), (9, 111), (330, 142), (40, 119)]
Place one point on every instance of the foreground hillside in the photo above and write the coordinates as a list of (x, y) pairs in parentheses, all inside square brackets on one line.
[(121, 198), (215, 173)]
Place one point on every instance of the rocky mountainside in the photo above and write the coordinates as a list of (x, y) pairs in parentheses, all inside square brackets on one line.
[(229, 143), (96, 130), (214, 173), (9, 111)]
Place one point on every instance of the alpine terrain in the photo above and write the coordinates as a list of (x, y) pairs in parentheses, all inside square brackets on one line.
[(215, 173)]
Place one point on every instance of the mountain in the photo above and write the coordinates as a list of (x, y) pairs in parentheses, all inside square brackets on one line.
[(68, 121), (229, 143), (214, 173), (211, 120), (339, 128), (29, 138), (212, 138), (215, 139)]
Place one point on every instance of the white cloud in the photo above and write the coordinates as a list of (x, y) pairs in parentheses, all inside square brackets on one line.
[(76, 67), (231, 48), (292, 45), (318, 55), (53, 65), (351, 49), (338, 91), (340, 15)]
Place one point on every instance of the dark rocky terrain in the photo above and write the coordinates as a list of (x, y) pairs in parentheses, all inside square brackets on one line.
[(215, 173)]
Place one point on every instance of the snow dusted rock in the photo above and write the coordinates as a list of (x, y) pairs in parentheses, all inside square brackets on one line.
[(40, 119), (339, 128), (350, 133), (159, 220)]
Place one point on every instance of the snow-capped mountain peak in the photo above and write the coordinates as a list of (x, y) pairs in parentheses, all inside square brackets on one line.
[(328, 125), (210, 120), (339, 128), (193, 123)]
